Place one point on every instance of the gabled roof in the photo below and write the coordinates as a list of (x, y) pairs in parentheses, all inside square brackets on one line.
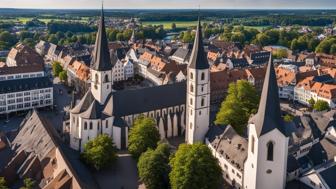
[(94, 111), (268, 117), (101, 57), (198, 58)]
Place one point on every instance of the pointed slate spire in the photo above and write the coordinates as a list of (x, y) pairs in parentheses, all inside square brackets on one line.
[(269, 114), (101, 56), (198, 58)]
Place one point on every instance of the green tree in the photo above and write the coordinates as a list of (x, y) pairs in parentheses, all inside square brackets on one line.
[(193, 166), (57, 68), (154, 168), (333, 49), (321, 105), (311, 102), (280, 53), (100, 152), (241, 101), (120, 37), (238, 37), (63, 76), (3, 184), (288, 118), (173, 26), (262, 39), (28, 183), (143, 135)]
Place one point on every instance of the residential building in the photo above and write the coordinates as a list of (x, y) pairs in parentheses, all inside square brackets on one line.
[(23, 82)]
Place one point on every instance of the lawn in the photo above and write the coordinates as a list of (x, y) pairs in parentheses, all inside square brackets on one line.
[(168, 24), (24, 20)]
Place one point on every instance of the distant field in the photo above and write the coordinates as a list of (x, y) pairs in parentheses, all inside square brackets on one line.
[(186, 24), (24, 20), (167, 24), (257, 27)]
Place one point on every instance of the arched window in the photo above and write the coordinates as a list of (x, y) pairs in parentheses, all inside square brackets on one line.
[(106, 79), (106, 124), (252, 144), (90, 125), (270, 151), (96, 79), (191, 101), (202, 102), (191, 75), (85, 126), (190, 125), (191, 88), (202, 76)]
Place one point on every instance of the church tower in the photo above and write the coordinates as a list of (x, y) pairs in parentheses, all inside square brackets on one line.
[(101, 65), (266, 163), (198, 92)]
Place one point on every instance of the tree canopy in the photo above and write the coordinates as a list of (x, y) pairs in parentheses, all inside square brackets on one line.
[(153, 166), (63, 75), (241, 101), (57, 68), (143, 135), (193, 166), (28, 183), (3, 184), (321, 105), (100, 152)]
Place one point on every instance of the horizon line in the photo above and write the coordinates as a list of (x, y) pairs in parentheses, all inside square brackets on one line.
[(50, 8)]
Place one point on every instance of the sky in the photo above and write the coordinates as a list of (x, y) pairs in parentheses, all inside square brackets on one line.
[(170, 4)]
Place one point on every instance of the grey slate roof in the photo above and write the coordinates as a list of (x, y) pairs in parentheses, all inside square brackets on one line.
[(328, 176), (181, 53), (229, 144), (38, 137), (94, 111), (18, 85), (261, 57), (239, 62), (84, 103), (323, 151), (129, 102), (198, 58), (269, 114), (101, 57)]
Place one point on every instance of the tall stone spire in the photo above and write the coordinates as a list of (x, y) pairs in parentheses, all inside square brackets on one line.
[(269, 114), (198, 59), (101, 56)]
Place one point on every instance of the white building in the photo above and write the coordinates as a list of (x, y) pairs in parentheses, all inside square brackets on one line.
[(23, 83), (118, 71), (128, 69), (104, 111)]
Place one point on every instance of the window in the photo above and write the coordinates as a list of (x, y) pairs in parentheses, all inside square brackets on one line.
[(96, 79), (106, 78), (202, 102), (106, 124), (191, 101), (191, 75), (191, 88), (90, 125), (190, 125), (270, 150), (252, 144), (202, 76), (85, 126)]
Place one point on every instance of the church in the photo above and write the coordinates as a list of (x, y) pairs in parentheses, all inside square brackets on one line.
[(105, 111), (263, 159)]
